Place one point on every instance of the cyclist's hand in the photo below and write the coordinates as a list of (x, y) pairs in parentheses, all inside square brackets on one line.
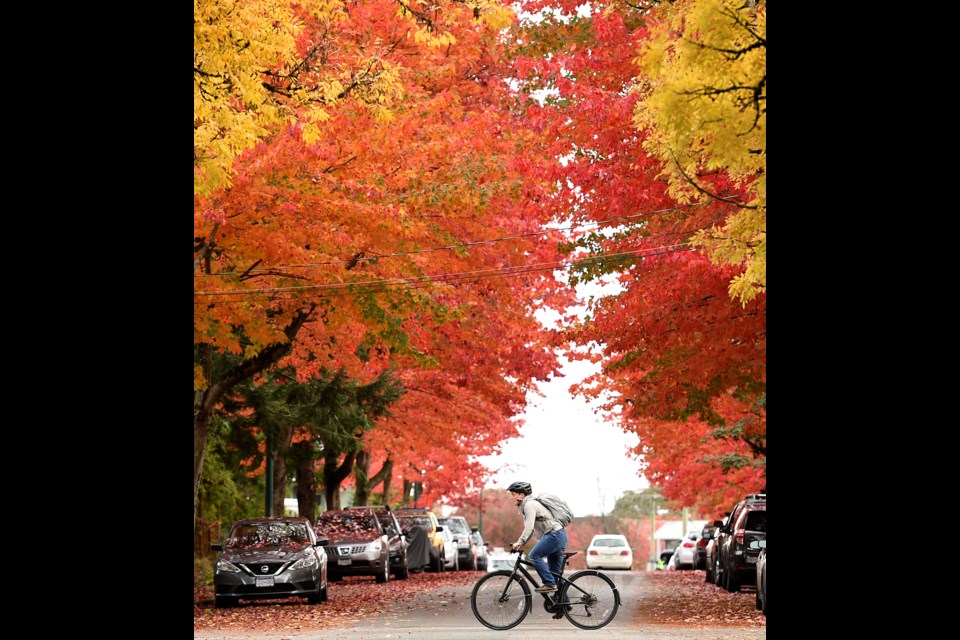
[(515, 547)]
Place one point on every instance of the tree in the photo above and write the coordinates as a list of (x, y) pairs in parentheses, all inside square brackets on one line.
[(704, 101), (315, 253)]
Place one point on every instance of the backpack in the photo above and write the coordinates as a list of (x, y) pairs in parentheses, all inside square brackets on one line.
[(559, 509)]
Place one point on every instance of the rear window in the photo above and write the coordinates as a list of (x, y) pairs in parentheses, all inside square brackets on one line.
[(609, 542), (756, 521)]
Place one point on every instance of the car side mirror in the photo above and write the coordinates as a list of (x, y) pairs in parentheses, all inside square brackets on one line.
[(216, 546), (717, 524), (439, 527), (322, 542), (474, 529)]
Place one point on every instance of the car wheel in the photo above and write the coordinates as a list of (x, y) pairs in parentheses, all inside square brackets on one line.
[(319, 597), (759, 604), (731, 582), (473, 563), (402, 572), (384, 576), (709, 576), (225, 602)]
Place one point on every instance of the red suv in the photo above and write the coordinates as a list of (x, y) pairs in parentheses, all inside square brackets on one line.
[(735, 559)]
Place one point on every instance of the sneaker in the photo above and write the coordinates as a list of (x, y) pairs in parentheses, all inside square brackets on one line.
[(546, 588)]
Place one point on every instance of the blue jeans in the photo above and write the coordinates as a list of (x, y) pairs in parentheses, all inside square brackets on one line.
[(551, 547)]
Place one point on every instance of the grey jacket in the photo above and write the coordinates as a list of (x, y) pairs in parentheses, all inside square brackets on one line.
[(536, 517)]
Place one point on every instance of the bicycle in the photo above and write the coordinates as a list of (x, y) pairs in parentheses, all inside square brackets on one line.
[(502, 599)]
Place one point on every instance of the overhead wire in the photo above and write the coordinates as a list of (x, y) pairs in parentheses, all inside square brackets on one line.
[(375, 286)]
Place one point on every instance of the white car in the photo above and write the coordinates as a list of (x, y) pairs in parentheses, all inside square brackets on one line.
[(452, 560), (609, 551), (500, 558), (686, 551)]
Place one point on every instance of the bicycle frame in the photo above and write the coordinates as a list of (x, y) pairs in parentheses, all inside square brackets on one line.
[(518, 567)]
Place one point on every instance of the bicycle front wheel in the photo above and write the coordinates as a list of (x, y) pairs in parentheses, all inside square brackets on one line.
[(500, 600), (590, 599)]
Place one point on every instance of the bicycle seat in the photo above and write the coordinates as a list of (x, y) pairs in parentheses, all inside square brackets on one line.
[(567, 554)]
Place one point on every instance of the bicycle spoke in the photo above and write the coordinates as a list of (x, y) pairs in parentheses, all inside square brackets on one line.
[(591, 600), (500, 601)]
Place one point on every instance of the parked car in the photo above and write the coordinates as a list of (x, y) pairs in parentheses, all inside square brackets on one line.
[(460, 532), (396, 539), (270, 558), (426, 519), (500, 558), (735, 558), (686, 551), (673, 564), (609, 551), (706, 535), (357, 544), (451, 556), (762, 577), (482, 552), (710, 554)]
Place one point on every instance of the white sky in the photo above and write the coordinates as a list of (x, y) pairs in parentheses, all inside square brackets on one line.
[(564, 448)]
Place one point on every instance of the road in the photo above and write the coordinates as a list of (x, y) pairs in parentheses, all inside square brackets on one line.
[(449, 617)]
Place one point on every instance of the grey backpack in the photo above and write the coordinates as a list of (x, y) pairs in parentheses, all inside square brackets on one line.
[(559, 509)]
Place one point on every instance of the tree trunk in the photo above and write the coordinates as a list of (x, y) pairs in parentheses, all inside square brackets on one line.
[(281, 449), (334, 475), (206, 402), (361, 475), (386, 475), (306, 482)]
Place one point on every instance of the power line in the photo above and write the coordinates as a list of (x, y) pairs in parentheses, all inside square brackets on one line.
[(374, 286)]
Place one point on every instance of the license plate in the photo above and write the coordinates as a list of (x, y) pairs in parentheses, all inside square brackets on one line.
[(344, 561), (265, 581), (751, 560)]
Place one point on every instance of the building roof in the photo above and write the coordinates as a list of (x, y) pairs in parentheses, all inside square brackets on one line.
[(673, 529)]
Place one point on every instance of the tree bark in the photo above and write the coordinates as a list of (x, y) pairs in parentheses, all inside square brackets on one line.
[(281, 449), (306, 481), (334, 475)]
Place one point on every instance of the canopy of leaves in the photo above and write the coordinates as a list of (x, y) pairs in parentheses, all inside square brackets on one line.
[(703, 100)]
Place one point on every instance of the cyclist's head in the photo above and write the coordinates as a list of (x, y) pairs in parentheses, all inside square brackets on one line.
[(523, 488)]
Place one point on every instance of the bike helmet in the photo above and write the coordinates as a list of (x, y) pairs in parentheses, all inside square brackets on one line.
[(520, 487)]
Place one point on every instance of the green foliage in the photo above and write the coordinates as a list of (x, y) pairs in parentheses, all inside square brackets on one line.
[(226, 493)]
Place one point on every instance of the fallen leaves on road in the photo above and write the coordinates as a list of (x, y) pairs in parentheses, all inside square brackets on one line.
[(350, 600), (684, 598)]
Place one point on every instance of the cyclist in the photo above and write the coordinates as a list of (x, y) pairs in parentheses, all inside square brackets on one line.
[(552, 536)]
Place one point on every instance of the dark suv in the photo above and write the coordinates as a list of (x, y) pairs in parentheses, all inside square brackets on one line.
[(358, 544), (735, 560), (396, 538)]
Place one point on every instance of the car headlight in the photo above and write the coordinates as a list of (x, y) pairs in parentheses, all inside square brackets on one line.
[(223, 565), (305, 562), (375, 546)]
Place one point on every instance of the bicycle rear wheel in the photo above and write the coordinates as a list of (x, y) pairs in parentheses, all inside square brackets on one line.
[(590, 599), (500, 600)]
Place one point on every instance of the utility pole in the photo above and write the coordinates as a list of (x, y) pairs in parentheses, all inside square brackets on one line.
[(603, 516)]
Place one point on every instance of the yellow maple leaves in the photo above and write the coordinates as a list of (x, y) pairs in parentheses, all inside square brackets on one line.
[(703, 104)]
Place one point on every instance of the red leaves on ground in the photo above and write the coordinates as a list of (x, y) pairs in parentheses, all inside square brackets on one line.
[(351, 599), (684, 598)]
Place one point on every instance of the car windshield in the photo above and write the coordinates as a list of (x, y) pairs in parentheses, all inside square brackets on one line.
[(347, 525), (756, 521), (609, 542), (422, 521), (457, 526), (272, 534), (387, 523)]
